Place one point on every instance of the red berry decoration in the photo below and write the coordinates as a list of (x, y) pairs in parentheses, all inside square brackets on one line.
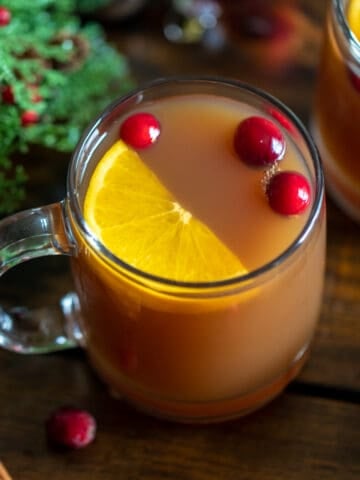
[(280, 117), (5, 17), (288, 193), (259, 142), (7, 95), (29, 117), (71, 427), (140, 130)]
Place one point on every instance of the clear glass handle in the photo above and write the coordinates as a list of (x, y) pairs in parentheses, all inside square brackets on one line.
[(24, 236)]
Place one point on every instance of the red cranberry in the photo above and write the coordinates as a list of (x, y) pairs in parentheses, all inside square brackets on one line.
[(259, 142), (5, 16), (7, 95), (288, 193), (29, 117), (140, 130), (71, 427), (280, 117)]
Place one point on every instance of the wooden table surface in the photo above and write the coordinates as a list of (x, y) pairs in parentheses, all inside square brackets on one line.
[(312, 431)]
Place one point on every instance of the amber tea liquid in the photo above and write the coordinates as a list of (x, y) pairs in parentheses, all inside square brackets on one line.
[(337, 109), (206, 353)]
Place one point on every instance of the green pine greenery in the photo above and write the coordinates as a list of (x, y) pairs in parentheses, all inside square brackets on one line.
[(91, 5), (63, 70)]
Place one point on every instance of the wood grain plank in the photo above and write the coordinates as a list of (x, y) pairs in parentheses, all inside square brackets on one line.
[(335, 357), (294, 437)]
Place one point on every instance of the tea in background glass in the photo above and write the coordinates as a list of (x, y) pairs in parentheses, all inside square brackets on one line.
[(336, 120)]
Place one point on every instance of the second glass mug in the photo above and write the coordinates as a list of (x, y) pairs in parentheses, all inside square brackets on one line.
[(336, 113), (262, 332)]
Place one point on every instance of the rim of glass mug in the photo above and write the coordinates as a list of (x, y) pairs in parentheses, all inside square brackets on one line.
[(346, 38), (164, 87)]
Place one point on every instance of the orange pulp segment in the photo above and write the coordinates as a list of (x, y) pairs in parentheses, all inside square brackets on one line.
[(138, 220)]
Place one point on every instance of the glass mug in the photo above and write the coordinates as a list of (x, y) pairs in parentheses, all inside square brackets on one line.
[(336, 116), (179, 350)]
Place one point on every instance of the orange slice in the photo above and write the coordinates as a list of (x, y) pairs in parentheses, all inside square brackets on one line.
[(353, 15), (138, 220)]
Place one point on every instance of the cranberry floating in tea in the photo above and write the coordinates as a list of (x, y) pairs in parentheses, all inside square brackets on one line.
[(140, 130), (259, 142), (288, 193)]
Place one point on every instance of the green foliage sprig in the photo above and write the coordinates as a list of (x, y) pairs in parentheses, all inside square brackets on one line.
[(90, 5), (61, 71)]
